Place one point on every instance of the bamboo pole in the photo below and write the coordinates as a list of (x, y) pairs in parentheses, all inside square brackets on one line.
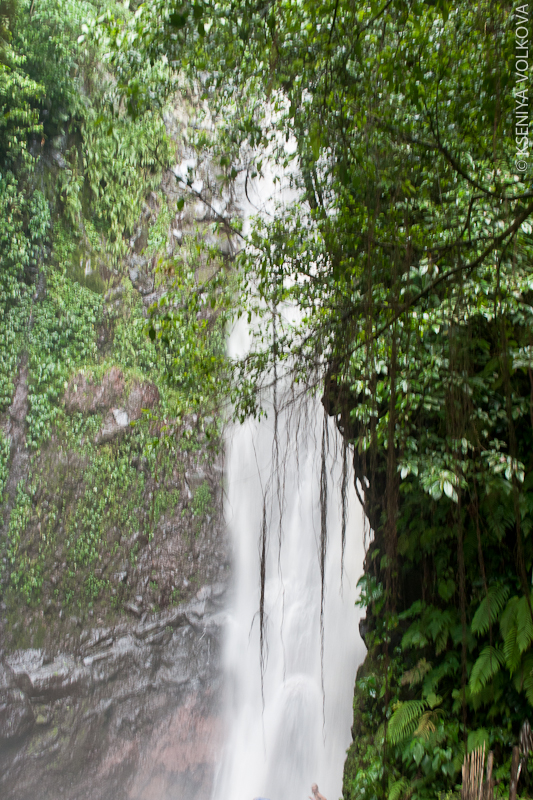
[(489, 788), (472, 771), (515, 763), (481, 767)]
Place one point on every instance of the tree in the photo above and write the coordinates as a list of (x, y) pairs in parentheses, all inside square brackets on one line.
[(408, 254)]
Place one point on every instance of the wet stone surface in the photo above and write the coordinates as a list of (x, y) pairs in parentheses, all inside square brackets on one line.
[(134, 713), (116, 694)]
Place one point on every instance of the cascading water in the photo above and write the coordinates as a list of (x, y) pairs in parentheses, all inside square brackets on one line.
[(293, 731)]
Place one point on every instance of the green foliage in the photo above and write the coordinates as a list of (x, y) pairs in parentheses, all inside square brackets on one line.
[(202, 501), (490, 608), (485, 668), (517, 631), (415, 675), (399, 789), (27, 573), (405, 719), (101, 518), (113, 494), (132, 348), (18, 93), (190, 334), (406, 249), (5, 453), (54, 108), (75, 176), (158, 233), (121, 164), (62, 337)]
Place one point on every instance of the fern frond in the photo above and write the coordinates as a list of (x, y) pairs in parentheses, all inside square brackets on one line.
[(448, 667), (487, 665), (511, 651), (490, 608), (426, 723), (528, 688), (500, 520), (404, 720), (399, 788), (509, 616), (524, 635), (527, 678), (413, 676), (438, 621), (414, 637), (523, 672), (441, 641)]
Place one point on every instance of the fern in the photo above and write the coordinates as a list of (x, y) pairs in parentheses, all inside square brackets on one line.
[(399, 788), (448, 667), (438, 621), (528, 685), (523, 673), (415, 675), (486, 667), (517, 631), (441, 641), (511, 650), (414, 637), (426, 724), (509, 616), (524, 623), (405, 719), (439, 625), (500, 520), (490, 608)]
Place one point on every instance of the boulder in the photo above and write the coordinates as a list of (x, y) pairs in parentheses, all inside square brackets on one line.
[(85, 395), (16, 714)]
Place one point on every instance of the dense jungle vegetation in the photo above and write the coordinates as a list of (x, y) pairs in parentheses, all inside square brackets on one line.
[(408, 250), (80, 202), (408, 253)]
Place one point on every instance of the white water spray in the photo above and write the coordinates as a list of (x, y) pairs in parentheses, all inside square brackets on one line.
[(297, 733)]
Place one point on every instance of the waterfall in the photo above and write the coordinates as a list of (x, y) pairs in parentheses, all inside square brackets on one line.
[(279, 742)]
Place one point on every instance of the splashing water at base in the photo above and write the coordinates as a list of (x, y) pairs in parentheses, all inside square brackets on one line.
[(301, 733)]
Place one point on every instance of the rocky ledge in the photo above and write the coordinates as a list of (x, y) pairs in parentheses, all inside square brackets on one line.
[(134, 713)]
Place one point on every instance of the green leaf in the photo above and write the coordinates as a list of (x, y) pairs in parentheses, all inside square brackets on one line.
[(489, 609), (524, 635), (178, 20), (405, 719), (486, 667), (477, 739), (399, 788)]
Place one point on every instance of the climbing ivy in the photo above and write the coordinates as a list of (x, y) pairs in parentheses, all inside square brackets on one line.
[(76, 178), (66, 155), (61, 338)]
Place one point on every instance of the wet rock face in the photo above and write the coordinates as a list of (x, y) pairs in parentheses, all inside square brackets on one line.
[(84, 395), (116, 695), (134, 713)]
